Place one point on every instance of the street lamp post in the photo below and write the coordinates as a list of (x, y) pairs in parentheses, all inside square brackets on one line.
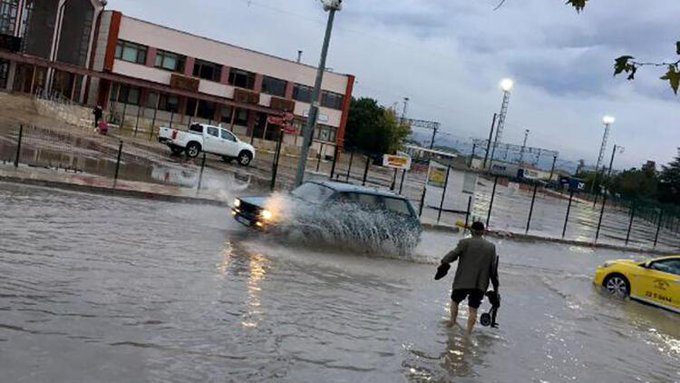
[(331, 6), (506, 85), (524, 146)]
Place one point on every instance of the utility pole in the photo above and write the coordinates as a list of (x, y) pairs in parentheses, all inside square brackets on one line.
[(488, 145), (331, 6), (299, 57), (434, 136)]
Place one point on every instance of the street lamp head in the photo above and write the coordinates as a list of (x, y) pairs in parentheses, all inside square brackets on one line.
[(608, 120), (332, 5), (507, 84)]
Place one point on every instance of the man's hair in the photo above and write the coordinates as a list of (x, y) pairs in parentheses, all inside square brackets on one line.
[(477, 228)]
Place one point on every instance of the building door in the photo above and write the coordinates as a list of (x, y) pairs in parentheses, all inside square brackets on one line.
[(23, 78), (4, 73)]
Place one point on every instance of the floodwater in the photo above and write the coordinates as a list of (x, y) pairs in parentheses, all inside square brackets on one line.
[(104, 289), (63, 152), (511, 206)]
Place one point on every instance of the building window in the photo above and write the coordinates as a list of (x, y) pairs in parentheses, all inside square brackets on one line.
[(168, 103), (207, 70), (131, 52), (325, 133), (170, 61), (225, 114), (151, 100), (128, 95), (302, 93), (8, 16), (206, 109), (332, 100), (274, 86), (241, 78), (241, 117)]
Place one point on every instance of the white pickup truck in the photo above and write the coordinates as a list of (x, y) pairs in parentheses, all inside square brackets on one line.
[(210, 139)]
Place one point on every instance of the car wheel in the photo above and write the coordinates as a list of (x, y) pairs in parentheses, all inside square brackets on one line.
[(176, 150), (617, 284), (227, 159), (193, 149), (244, 158)]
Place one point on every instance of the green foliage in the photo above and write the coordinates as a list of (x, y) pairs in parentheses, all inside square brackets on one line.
[(669, 182), (673, 77), (645, 183), (374, 129), (626, 64), (578, 4)]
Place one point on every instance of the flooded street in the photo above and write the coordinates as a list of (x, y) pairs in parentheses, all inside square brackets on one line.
[(99, 289)]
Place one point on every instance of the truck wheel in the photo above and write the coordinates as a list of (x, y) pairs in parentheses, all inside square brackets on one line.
[(176, 150), (244, 158), (193, 149)]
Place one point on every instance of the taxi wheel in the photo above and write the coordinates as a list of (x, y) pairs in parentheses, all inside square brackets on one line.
[(617, 284)]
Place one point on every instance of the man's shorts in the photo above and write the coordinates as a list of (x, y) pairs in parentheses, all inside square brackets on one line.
[(474, 296)]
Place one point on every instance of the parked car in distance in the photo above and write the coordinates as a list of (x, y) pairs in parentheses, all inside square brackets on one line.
[(656, 281), (210, 139), (357, 211)]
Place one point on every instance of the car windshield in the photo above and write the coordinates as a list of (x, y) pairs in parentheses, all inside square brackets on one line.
[(312, 192)]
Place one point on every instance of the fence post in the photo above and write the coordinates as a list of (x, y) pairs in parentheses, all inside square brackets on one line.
[(401, 184), (368, 164), (630, 224), (200, 175), (120, 152), (468, 212), (122, 119), (318, 162), (493, 195), (472, 156), (153, 123), (531, 209), (422, 200), (394, 179), (139, 110), (446, 185), (566, 219), (349, 168), (599, 222), (275, 166), (18, 154), (335, 161), (658, 228)]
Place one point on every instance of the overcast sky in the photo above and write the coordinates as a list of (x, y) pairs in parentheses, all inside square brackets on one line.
[(448, 56)]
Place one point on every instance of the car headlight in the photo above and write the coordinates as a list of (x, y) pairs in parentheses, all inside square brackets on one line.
[(266, 215), (237, 202)]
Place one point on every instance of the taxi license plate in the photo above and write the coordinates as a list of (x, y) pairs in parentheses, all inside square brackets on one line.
[(243, 221)]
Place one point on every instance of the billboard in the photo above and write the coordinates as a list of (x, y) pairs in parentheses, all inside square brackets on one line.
[(397, 162), (436, 175)]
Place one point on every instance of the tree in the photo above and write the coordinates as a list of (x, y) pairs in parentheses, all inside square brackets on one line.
[(669, 182), (374, 129), (629, 65)]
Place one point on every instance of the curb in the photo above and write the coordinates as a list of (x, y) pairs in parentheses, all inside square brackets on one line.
[(111, 191)]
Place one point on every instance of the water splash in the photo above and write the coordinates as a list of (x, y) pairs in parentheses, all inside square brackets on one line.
[(346, 225)]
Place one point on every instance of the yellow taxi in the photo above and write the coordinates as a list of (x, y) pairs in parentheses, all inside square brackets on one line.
[(655, 281)]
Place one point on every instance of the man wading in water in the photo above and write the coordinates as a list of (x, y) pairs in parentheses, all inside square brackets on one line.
[(477, 265)]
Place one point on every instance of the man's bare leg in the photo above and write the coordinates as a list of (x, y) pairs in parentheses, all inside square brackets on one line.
[(472, 319), (454, 314)]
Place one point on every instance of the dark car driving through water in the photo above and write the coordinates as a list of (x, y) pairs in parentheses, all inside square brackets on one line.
[(334, 210)]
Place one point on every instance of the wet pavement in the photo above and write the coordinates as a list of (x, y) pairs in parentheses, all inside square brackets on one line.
[(110, 289)]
